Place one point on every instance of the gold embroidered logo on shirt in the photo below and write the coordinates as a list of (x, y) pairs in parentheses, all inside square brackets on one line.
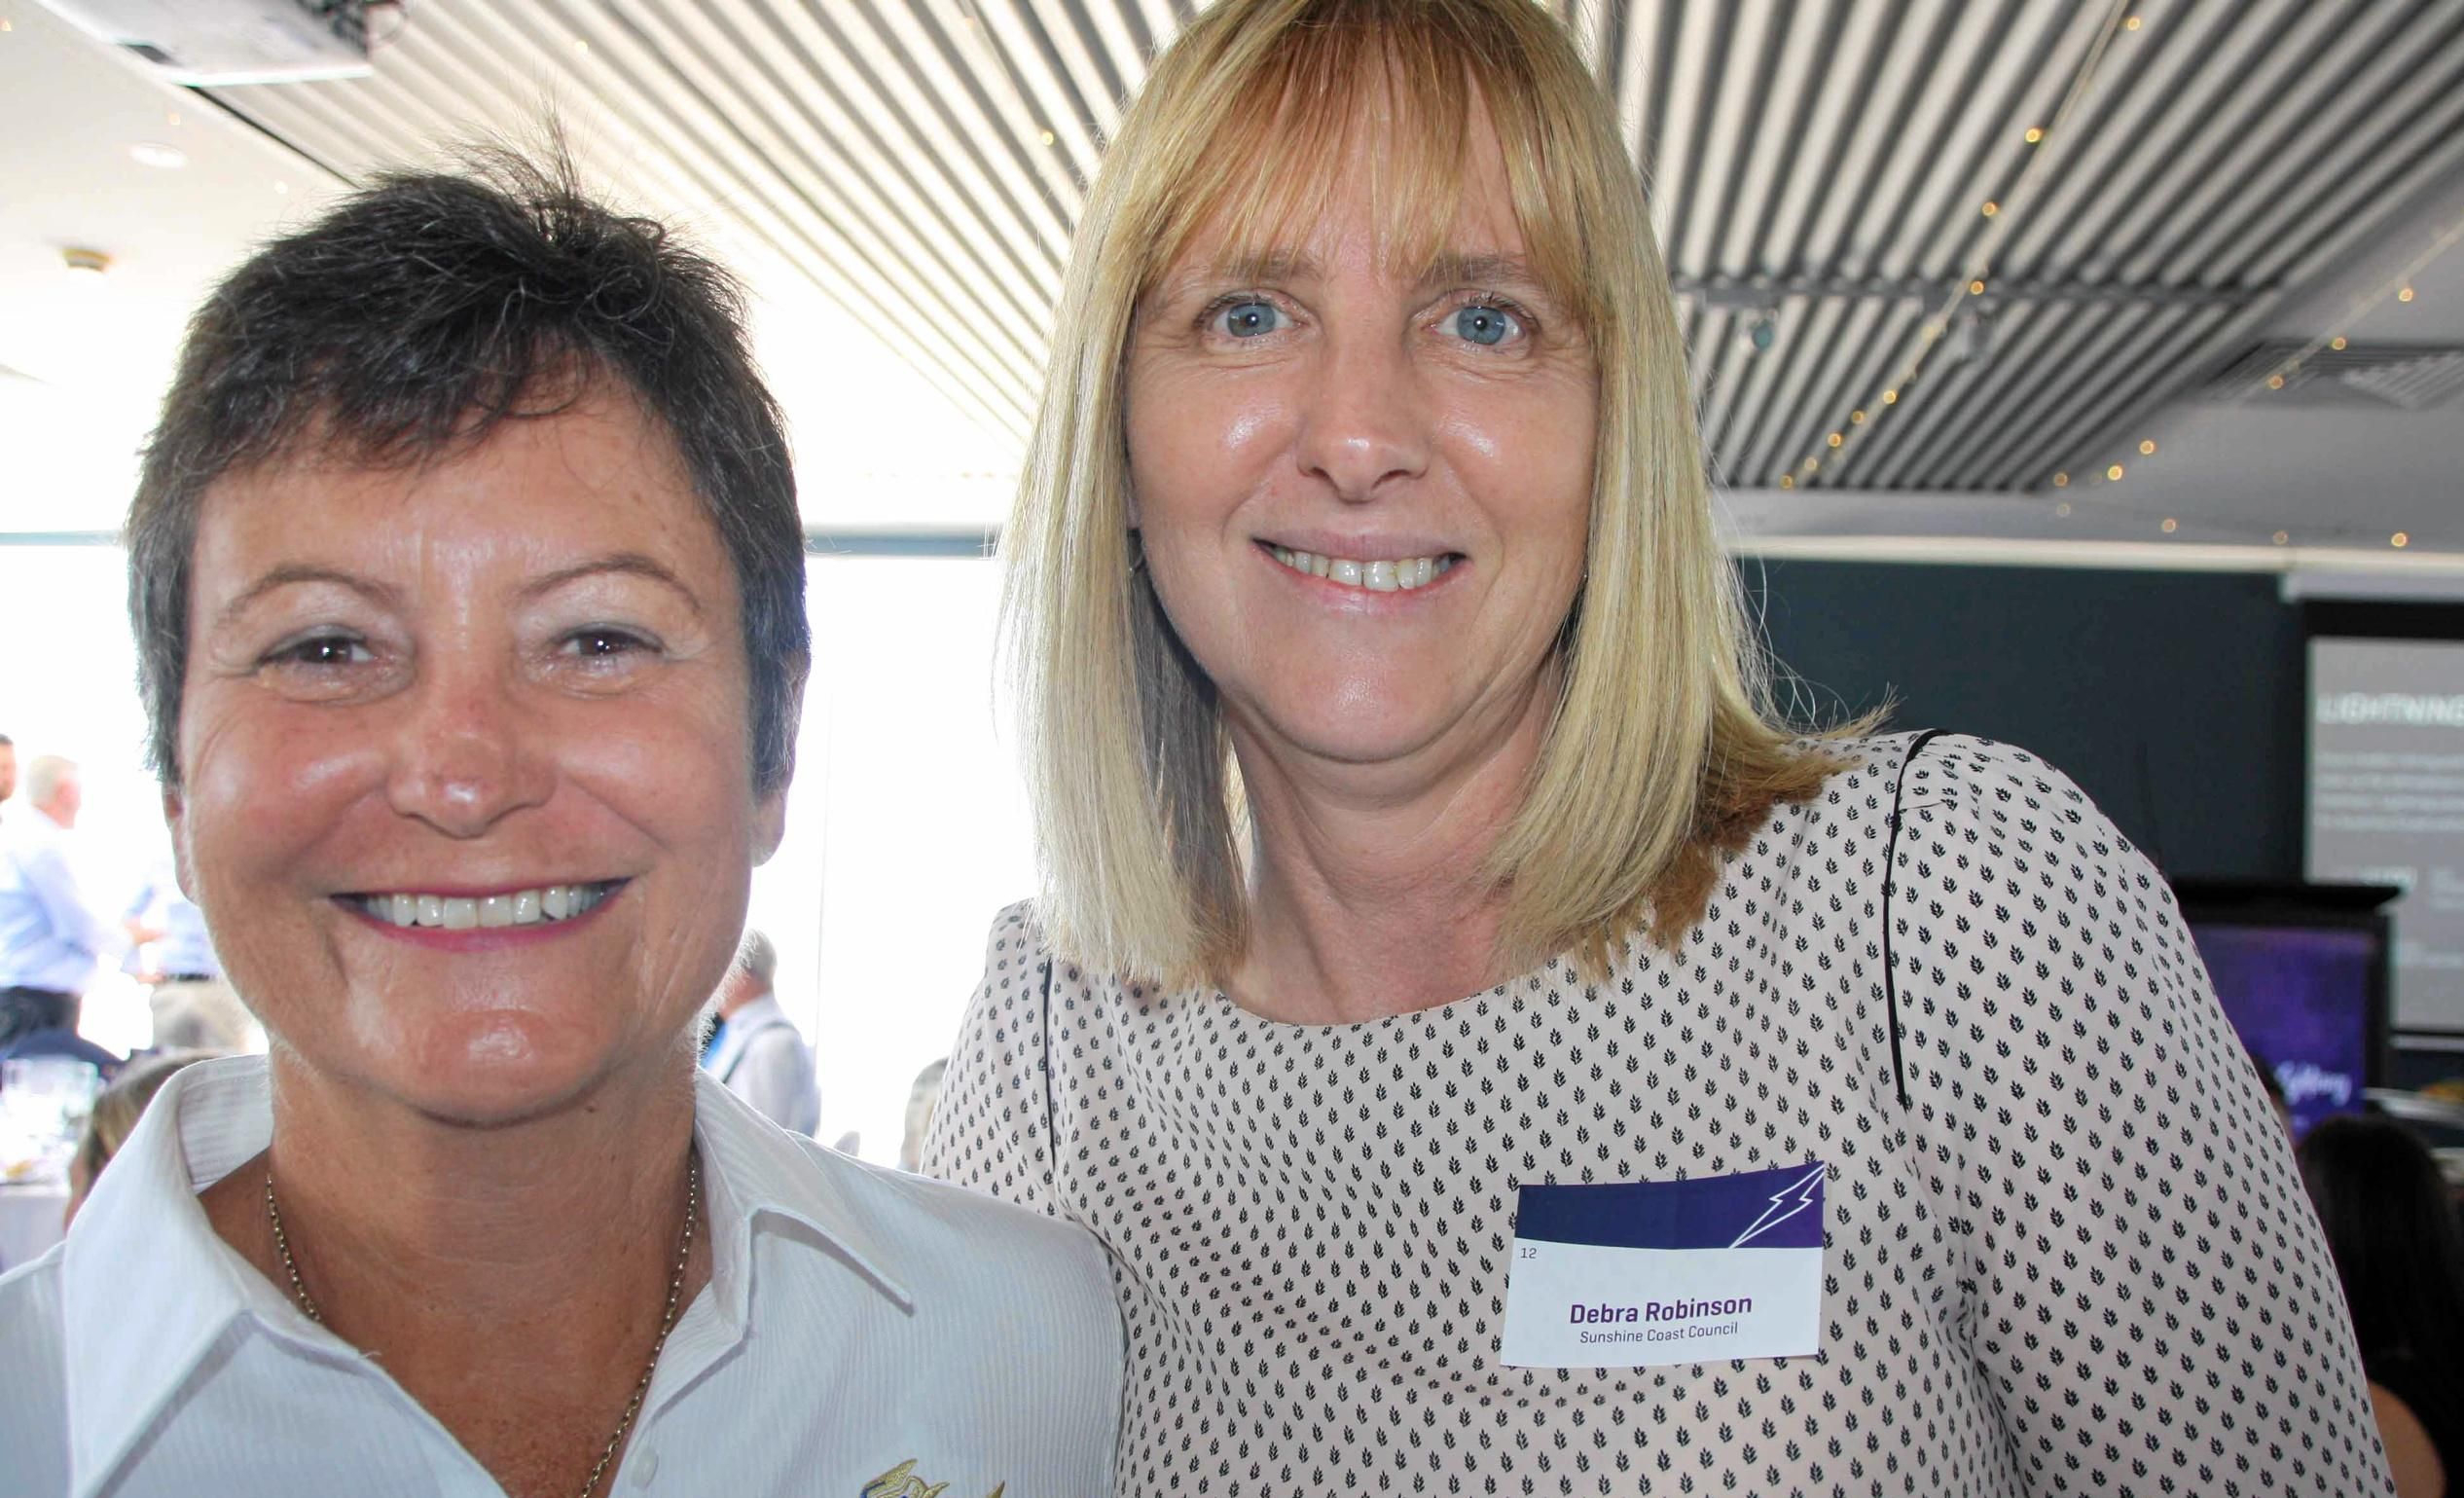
[(901, 1481)]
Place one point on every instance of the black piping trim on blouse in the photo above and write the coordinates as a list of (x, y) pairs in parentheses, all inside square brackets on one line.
[(1891, 877), (1052, 1109)]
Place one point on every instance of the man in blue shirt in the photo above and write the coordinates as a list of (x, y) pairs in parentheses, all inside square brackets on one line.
[(757, 1051), (194, 1007), (49, 937)]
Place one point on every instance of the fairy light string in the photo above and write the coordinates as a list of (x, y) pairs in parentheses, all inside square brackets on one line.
[(2001, 214)]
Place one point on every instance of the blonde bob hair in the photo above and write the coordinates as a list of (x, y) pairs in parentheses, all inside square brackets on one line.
[(1663, 747)]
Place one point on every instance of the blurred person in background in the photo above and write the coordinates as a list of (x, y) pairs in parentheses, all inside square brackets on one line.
[(2391, 1223), (8, 767), (921, 1099), (194, 1007), (468, 582), (49, 937), (115, 1112), (756, 1050), (1434, 896)]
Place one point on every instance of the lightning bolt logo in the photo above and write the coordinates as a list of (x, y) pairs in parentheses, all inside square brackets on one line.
[(1784, 1204)]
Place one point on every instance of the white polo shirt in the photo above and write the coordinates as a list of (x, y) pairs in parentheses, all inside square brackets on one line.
[(906, 1331)]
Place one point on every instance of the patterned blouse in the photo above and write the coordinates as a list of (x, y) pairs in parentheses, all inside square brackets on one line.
[(2077, 1260)]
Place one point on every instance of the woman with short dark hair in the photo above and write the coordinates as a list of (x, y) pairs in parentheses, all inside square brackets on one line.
[(469, 582)]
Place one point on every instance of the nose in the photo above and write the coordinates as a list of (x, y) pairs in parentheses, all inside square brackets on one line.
[(467, 755), (1367, 424)]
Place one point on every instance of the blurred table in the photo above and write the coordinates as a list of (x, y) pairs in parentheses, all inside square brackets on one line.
[(30, 1219)]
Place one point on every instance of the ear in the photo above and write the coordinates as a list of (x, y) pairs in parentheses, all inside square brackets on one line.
[(769, 825), (175, 818)]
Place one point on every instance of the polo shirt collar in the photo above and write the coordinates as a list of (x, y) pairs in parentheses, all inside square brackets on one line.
[(757, 1169), (149, 1289)]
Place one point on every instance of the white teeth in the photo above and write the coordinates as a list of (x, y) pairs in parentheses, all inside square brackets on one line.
[(487, 912), (1384, 577)]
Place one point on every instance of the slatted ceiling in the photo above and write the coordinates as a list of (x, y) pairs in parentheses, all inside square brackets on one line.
[(941, 51), (1826, 159)]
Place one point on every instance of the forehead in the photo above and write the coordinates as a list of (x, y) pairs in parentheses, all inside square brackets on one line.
[(595, 472), (1399, 163), (1366, 204)]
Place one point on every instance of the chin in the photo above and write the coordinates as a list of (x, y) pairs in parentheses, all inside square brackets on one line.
[(495, 1068), (1358, 723)]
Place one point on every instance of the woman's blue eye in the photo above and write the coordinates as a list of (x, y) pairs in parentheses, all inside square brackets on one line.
[(1484, 324), (1249, 319)]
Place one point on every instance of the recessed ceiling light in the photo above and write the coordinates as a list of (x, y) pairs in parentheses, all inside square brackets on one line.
[(153, 153)]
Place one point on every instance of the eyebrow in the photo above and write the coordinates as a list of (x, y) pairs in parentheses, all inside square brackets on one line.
[(1447, 267), (626, 564), (297, 573)]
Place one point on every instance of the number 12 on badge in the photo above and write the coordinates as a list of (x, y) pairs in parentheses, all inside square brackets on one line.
[(1635, 1273)]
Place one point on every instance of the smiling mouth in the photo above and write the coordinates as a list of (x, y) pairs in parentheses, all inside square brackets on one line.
[(472, 912), (1393, 575)]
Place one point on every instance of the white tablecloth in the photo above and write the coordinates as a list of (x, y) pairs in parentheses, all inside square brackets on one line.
[(29, 1220)]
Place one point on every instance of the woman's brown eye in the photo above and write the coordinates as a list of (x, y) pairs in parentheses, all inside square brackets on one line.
[(321, 650), (606, 643)]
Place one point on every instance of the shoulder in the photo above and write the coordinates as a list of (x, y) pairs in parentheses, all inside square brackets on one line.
[(943, 1245), (1016, 946), (34, 1415), (935, 1214), (1960, 769), (1958, 783), (1007, 1005), (1045, 1280)]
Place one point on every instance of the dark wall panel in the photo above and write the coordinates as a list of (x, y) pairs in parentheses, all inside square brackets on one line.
[(2175, 699)]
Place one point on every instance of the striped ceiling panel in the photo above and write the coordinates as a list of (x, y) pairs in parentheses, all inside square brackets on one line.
[(1820, 174)]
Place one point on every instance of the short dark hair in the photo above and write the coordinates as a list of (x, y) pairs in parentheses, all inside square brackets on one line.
[(409, 320), (2390, 1225)]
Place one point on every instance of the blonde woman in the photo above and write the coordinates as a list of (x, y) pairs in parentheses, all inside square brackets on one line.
[(1498, 1054)]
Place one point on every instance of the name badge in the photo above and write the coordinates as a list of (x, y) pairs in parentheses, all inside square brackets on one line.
[(1636, 1273)]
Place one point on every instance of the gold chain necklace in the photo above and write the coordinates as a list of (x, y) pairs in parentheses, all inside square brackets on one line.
[(667, 1319)]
